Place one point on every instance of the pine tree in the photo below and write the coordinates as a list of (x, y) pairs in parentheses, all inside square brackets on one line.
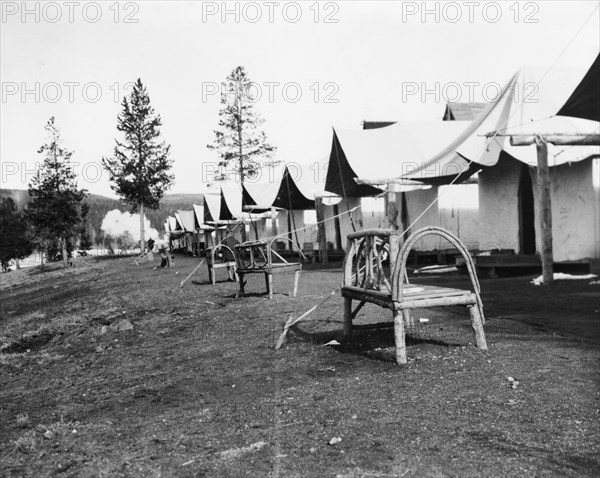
[(140, 166), (85, 243), (55, 205), (241, 144), (14, 235)]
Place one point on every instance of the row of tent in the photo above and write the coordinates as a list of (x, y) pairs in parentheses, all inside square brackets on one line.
[(414, 158)]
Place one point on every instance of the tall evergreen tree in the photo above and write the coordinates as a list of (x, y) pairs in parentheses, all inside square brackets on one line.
[(140, 167), (55, 205), (240, 142), (15, 242)]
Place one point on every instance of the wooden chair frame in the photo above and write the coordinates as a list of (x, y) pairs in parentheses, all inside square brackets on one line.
[(365, 280), (214, 264), (257, 257)]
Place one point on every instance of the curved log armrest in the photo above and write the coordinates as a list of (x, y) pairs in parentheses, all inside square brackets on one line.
[(399, 273), (212, 252)]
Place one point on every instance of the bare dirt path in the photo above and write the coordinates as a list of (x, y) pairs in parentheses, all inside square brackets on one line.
[(197, 389)]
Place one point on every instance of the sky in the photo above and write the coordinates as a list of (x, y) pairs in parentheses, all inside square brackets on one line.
[(316, 65)]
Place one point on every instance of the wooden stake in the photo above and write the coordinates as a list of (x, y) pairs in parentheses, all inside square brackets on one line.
[(545, 208), (291, 321), (192, 273)]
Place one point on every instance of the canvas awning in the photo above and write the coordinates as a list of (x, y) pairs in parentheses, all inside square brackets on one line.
[(231, 201), (261, 194), (394, 151), (584, 102), (527, 105), (212, 207), (293, 186), (199, 217), (187, 220)]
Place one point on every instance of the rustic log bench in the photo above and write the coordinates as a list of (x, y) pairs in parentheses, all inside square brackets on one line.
[(259, 257), (221, 256), (366, 280)]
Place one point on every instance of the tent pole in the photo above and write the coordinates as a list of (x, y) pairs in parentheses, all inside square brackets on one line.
[(545, 208), (321, 229), (274, 231), (392, 206), (289, 224), (338, 230)]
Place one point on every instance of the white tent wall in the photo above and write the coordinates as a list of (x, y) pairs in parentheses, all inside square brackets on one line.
[(308, 232), (416, 202), (345, 221), (283, 226), (575, 209), (574, 212), (459, 212), (258, 229), (373, 213), (499, 206)]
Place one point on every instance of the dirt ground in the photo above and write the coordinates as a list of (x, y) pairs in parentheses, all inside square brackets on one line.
[(196, 388)]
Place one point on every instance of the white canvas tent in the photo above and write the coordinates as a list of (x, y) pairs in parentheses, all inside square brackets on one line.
[(363, 162), (509, 195)]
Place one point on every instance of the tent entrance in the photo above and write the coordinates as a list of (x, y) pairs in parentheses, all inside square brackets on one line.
[(526, 213)]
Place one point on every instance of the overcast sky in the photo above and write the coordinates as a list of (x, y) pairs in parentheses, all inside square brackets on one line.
[(318, 65)]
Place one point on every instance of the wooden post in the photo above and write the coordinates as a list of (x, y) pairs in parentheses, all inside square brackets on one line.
[(321, 229), (244, 238), (476, 320), (347, 317), (274, 222), (404, 216), (336, 224), (545, 209), (399, 337), (296, 283), (392, 206), (289, 228)]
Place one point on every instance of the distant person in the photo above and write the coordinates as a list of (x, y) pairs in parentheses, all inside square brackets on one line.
[(165, 255), (150, 245)]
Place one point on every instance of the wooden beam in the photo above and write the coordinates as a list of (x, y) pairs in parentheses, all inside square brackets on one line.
[(321, 233), (388, 181), (545, 209), (558, 140)]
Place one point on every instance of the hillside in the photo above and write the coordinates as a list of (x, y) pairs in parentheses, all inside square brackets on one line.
[(100, 205)]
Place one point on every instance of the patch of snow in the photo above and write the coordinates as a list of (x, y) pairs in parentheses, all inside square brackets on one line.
[(435, 269), (562, 276)]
